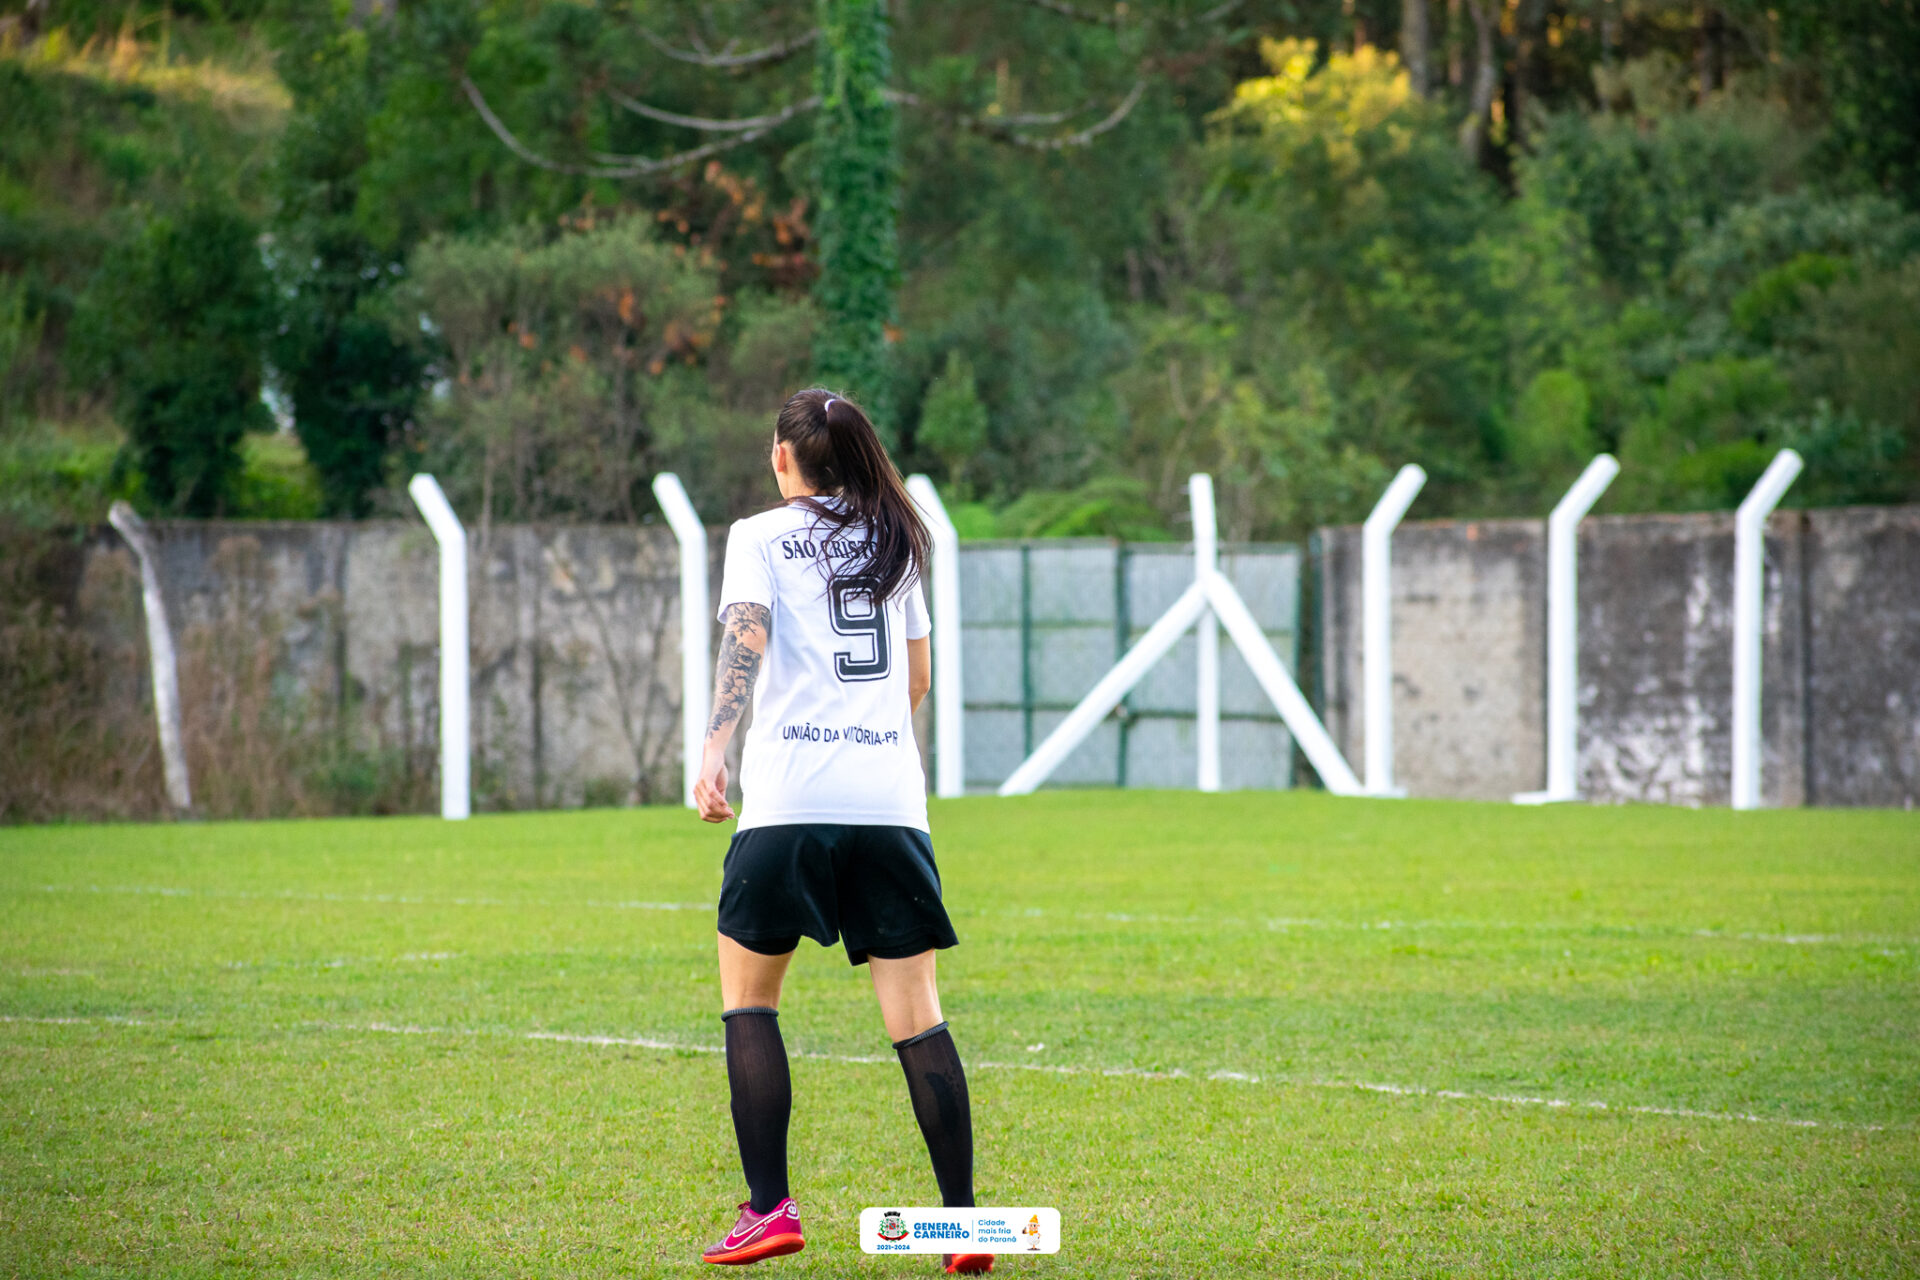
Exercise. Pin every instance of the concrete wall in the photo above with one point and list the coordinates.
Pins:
(1862, 688)
(1469, 664)
(576, 649)
(575, 635)
(1840, 656)
(575, 640)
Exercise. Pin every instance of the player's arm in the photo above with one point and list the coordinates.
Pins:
(742, 647)
(919, 669)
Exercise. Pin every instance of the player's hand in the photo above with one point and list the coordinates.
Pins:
(710, 791)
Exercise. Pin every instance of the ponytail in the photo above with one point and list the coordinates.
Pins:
(839, 453)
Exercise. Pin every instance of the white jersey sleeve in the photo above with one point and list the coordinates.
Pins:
(747, 577)
(832, 734)
(919, 625)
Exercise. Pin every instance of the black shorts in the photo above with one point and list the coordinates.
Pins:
(876, 885)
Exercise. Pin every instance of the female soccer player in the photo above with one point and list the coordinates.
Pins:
(825, 591)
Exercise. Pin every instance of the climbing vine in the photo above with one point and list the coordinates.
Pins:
(856, 176)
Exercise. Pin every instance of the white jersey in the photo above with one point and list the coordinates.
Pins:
(832, 733)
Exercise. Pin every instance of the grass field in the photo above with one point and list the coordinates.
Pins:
(1228, 1036)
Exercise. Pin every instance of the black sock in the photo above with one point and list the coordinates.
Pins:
(938, 1087)
(762, 1102)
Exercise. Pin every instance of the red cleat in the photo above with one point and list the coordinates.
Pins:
(969, 1264)
(759, 1235)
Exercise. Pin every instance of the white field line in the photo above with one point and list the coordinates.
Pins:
(108, 1020)
(1276, 924)
(401, 899)
(342, 962)
(660, 1044)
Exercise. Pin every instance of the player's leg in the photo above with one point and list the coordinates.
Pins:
(757, 1073)
(773, 885)
(762, 1097)
(910, 1004)
(936, 1082)
(908, 992)
(893, 921)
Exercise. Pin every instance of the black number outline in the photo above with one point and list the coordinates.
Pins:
(850, 669)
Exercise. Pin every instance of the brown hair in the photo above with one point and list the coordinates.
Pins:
(839, 453)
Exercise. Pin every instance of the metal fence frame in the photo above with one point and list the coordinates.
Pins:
(1128, 621)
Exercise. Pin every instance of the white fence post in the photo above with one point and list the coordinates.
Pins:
(1749, 585)
(1206, 563)
(1376, 625)
(455, 691)
(949, 709)
(1315, 743)
(166, 670)
(696, 627)
(1563, 631)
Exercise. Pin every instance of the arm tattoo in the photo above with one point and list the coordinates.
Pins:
(741, 648)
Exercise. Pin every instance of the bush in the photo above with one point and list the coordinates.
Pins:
(175, 319)
(51, 476)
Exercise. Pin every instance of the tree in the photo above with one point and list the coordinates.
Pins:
(1868, 55)
(570, 360)
(174, 319)
(853, 167)
(352, 381)
(953, 422)
(1416, 46)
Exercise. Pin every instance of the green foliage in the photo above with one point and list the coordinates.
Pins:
(953, 422)
(973, 520)
(1103, 507)
(20, 331)
(1780, 295)
(277, 480)
(1705, 442)
(1256, 408)
(1278, 267)
(1387, 293)
(1643, 182)
(51, 477)
(1551, 433)
(351, 380)
(1750, 239)
(96, 136)
(1043, 354)
(1850, 459)
(578, 364)
(856, 176)
(1868, 56)
(175, 318)
(1855, 360)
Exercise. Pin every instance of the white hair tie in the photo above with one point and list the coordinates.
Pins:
(827, 406)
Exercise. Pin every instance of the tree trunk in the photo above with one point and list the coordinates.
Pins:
(1710, 50)
(1532, 73)
(1416, 46)
(1456, 62)
(1486, 77)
